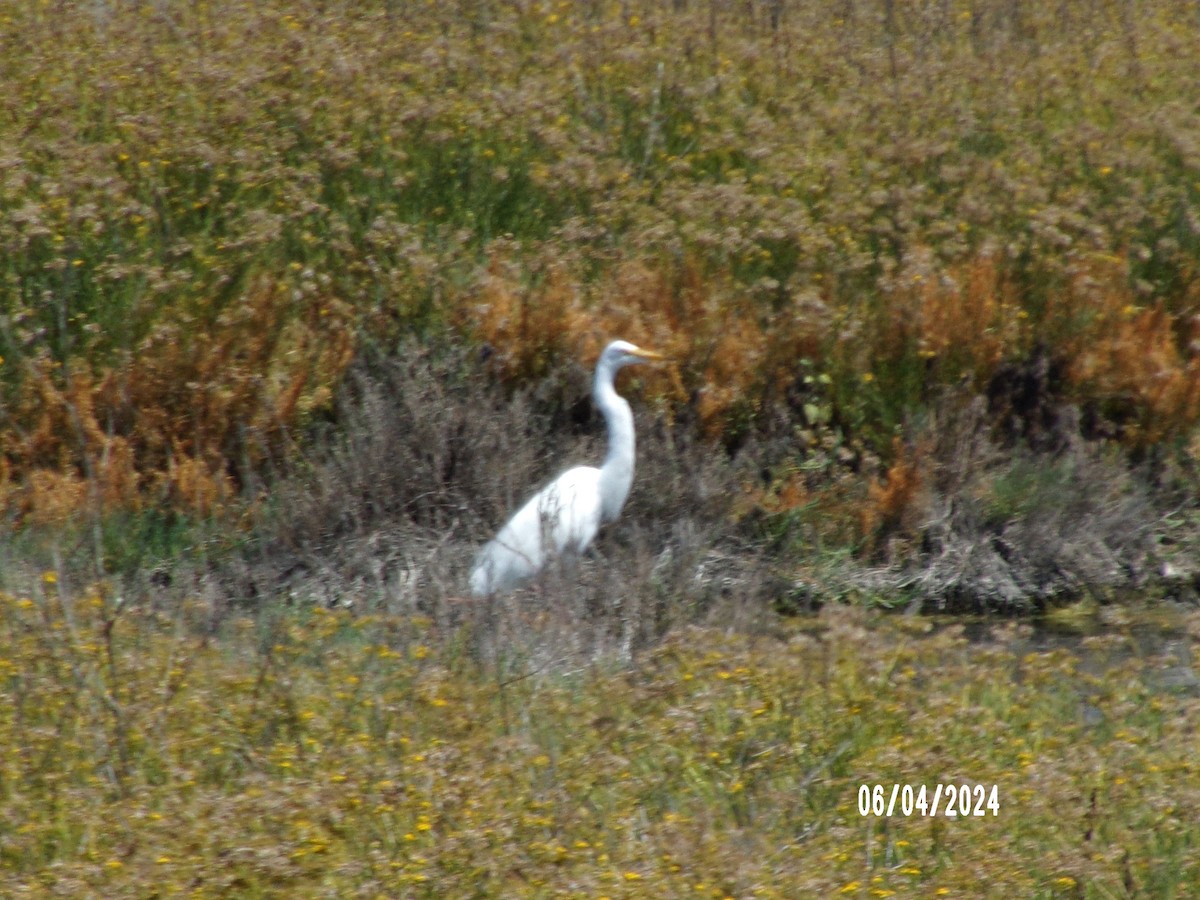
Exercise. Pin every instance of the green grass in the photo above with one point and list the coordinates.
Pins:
(317, 754)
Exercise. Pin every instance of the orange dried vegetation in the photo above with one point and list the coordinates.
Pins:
(175, 420)
(787, 492)
(527, 326)
(1144, 358)
(1137, 359)
(967, 318)
(892, 502)
(724, 351)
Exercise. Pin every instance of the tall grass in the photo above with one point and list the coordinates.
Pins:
(206, 205)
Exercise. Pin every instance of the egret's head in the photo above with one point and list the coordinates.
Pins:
(623, 353)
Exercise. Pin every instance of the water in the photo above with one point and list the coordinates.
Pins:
(1162, 635)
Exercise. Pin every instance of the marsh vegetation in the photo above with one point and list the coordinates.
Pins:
(298, 303)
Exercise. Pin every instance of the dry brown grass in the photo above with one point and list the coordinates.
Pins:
(176, 424)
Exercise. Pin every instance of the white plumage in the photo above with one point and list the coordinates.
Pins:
(564, 516)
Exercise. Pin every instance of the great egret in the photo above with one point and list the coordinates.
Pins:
(565, 515)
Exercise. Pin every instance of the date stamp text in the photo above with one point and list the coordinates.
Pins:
(948, 800)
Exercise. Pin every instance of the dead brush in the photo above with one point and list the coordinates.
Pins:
(183, 423)
(968, 321)
(1148, 382)
(895, 501)
(1137, 363)
(434, 453)
(727, 354)
(1012, 529)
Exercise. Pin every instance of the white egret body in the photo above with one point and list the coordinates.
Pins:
(564, 516)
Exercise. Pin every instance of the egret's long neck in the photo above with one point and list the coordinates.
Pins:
(616, 474)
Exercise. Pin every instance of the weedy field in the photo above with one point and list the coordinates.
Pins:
(839, 223)
(323, 754)
(297, 301)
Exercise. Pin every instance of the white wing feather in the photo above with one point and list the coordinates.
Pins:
(563, 517)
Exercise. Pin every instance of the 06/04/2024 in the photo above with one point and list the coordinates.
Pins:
(949, 800)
